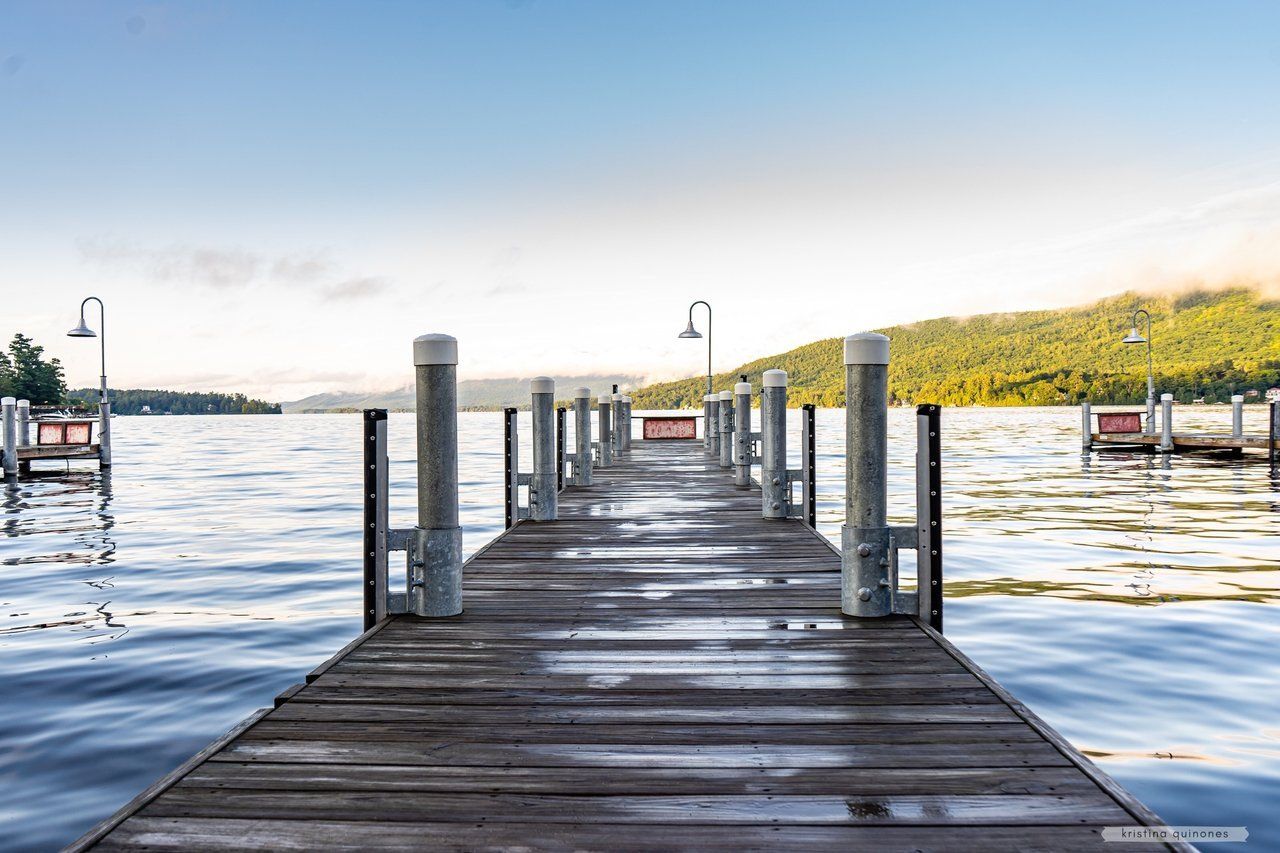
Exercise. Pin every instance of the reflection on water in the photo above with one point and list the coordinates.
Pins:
(1127, 598)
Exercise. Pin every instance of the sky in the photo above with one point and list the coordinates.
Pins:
(276, 197)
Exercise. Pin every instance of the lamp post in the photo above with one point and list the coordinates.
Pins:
(691, 332)
(1135, 337)
(104, 403)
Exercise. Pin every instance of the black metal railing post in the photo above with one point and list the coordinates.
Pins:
(929, 513)
(808, 463)
(560, 413)
(375, 516)
(510, 437)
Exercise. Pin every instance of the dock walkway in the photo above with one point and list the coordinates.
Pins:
(659, 669)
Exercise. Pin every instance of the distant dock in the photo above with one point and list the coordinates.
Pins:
(1120, 430)
(57, 438)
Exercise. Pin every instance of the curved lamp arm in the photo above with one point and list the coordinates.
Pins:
(102, 338)
(708, 307)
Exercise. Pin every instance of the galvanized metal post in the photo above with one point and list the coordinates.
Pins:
(775, 489)
(742, 443)
(435, 563)
(560, 448)
(104, 429)
(1274, 433)
(511, 465)
(1086, 426)
(616, 418)
(1166, 423)
(542, 487)
(865, 589)
(711, 431)
(726, 429)
(809, 463)
(582, 461)
(24, 423)
(375, 516)
(1237, 415)
(929, 513)
(606, 432)
(10, 409)
(1150, 428)
(626, 422)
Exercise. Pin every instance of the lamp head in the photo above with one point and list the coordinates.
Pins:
(82, 331)
(691, 332)
(1134, 337)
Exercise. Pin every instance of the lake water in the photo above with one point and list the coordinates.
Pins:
(1129, 600)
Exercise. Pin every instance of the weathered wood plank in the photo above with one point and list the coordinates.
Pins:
(602, 781)
(184, 834)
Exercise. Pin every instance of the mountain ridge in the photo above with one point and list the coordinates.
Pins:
(1204, 343)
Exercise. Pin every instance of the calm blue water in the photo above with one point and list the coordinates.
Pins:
(1129, 602)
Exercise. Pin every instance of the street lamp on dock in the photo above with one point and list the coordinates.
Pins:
(104, 403)
(1136, 337)
(691, 332)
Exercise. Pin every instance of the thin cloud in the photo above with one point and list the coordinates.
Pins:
(225, 269)
(356, 288)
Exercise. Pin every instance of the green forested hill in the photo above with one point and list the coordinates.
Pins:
(1205, 344)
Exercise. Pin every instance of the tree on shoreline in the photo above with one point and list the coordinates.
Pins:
(26, 375)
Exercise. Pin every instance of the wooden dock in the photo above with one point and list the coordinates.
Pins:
(660, 669)
(1185, 442)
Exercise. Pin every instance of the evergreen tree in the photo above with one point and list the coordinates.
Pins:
(35, 379)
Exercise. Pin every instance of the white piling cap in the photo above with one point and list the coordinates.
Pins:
(581, 393)
(7, 401)
(435, 349)
(866, 348)
(709, 398)
(1168, 397)
(26, 404)
(617, 398)
(542, 385)
(605, 398)
(1235, 398)
(775, 379)
(742, 388)
(726, 395)
(626, 399)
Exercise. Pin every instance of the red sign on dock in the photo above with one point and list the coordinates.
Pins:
(670, 427)
(1113, 422)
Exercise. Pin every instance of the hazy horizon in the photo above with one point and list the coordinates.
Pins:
(276, 198)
